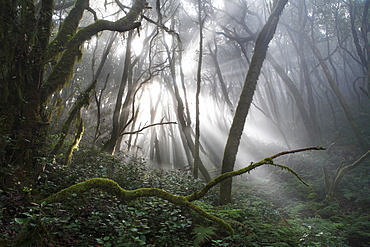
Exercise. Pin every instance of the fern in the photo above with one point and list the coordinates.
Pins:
(203, 234)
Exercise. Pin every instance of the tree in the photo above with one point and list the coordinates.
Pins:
(34, 66)
(362, 52)
(331, 184)
(360, 137)
(199, 79)
(246, 97)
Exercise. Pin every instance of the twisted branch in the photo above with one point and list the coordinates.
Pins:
(114, 189)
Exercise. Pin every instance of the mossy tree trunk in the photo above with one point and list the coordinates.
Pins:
(25, 90)
(246, 97)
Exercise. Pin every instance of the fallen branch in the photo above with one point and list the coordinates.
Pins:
(112, 188)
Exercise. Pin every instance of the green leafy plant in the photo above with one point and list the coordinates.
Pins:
(101, 214)
(203, 234)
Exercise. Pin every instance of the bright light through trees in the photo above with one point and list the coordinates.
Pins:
(165, 53)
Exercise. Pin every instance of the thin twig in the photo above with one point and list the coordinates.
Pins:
(145, 127)
(296, 151)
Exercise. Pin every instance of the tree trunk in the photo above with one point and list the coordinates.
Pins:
(246, 97)
(111, 144)
(308, 124)
(213, 55)
(25, 52)
(360, 138)
(199, 79)
(184, 127)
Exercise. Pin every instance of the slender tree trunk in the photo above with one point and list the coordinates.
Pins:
(213, 55)
(111, 144)
(360, 138)
(246, 97)
(108, 46)
(199, 79)
(274, 109)
(184, 128)
(312, 134)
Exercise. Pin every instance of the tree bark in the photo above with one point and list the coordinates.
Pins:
(199, 79)
(26, 91)
(246, 97)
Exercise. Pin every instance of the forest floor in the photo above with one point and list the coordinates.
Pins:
(270, 207)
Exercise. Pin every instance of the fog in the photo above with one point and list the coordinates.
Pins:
(296, 107)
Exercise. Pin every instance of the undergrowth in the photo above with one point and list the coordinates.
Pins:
(287, 216)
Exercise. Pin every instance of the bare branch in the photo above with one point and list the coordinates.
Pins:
(296, 151)
(145, 127)
(92, 12)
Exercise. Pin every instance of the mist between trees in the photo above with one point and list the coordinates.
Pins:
(199, 86)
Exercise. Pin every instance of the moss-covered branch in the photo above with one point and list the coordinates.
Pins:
(252, 166)
(83, 100)
(63, 70)
(78, 135)
(114, 189)
(67, 30)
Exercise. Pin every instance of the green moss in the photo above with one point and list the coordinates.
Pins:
(69, 42)
(112, 188)
(68, 29)
(76, 142)
(126, 196)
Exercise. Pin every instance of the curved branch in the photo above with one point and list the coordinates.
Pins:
(63, 70)
(67, 30)
(145, 127)
(252, 166)
(114, 189)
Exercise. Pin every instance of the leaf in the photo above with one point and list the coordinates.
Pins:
(27, 214)
(22, 221)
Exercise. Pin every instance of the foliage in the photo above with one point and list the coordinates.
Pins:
(97, 218)
(101, 219)
(203, 234)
